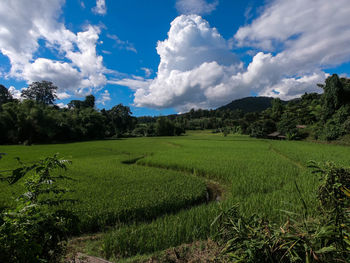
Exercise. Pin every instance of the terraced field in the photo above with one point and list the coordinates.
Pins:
(152, 193)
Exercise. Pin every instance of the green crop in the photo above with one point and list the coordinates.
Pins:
(153, 190)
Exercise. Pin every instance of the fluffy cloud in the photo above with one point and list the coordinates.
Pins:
(21, 28)
(195, 61)
(198, 7)
(100, 7)
(198, 69)
(311, 33)
(14, 92)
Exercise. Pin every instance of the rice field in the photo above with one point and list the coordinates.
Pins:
(152, 193)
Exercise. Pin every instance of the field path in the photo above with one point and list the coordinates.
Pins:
(216, 191)
(286, 157)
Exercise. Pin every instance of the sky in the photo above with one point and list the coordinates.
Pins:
(167, 56)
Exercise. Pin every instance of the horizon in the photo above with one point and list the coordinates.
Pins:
(170, 56)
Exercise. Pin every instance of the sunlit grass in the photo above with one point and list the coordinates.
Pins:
(168, 178)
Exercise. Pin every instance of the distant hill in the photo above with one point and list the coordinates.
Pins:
(249, 104)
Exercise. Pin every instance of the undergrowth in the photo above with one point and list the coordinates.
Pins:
(321, 238)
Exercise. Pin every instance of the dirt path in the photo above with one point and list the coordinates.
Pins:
(82, 258)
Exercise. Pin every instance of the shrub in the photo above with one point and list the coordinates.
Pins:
(36, 230)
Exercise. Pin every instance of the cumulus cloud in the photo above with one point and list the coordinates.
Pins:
(303, 30)
(15, 92)
(100, 8)
(198, 7)
(21, 28)
(292, 44)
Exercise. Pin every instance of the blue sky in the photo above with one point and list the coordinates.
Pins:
(161, 57)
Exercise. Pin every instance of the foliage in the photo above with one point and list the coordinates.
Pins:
(36, 229)
(261, 128)
(43, 92)
(33, 121)
(321, 116)
(323, 238)
(89, 102)
(333, 97)
(250, 104)
(5, 95)
(165, 127)
(119, 120)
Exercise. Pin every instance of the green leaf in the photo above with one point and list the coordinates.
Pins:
(326, 250)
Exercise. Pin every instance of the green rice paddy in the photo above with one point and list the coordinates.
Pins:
(151, 193)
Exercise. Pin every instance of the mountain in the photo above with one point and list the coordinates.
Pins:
(249, 104)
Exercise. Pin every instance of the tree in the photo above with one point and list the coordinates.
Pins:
(89, 102)
(120, 118)
(5, 95)
(333, 95)
(43, 92)
(75, 104)
(277, 109)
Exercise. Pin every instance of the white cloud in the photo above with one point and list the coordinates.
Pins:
(311, 33)
(63, 95)
(133, 83)
(194, 71)
(121, 44)
(104, 97)
(198, 7)
(197, 68)
(100, 7)
(148, 72)
(62, 105)
(15, 92)
(21, 28)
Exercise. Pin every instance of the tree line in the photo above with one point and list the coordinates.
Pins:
(318, 116)
(35, 119)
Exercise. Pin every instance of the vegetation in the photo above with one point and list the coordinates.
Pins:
(153, 190)
(36, 228)
(322, 238)
(314, 116)
(250, 104)
(36, 120)
(149, 194)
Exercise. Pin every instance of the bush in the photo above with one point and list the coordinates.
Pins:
(36, 230)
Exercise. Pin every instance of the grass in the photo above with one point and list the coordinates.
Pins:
(152, 188)
(109, 191)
